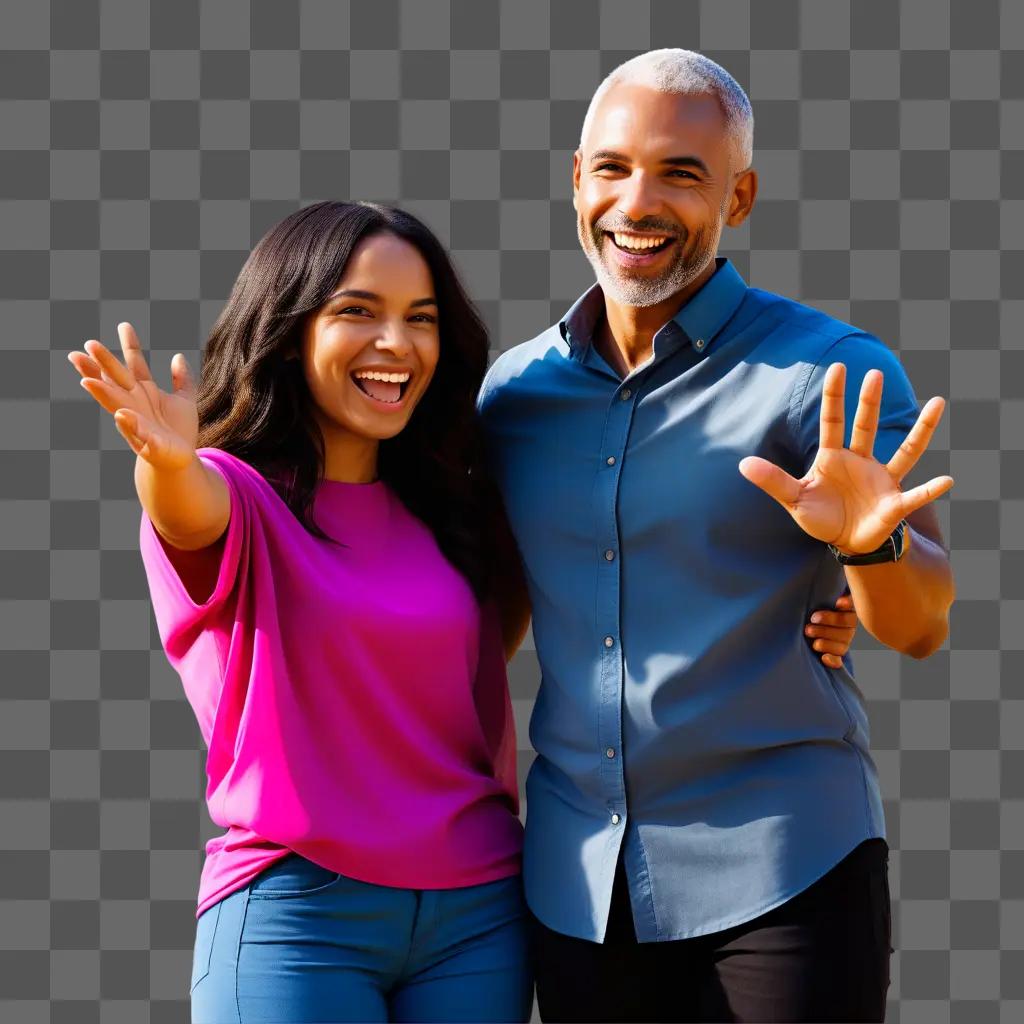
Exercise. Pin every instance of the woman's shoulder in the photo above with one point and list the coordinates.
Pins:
(263, 487)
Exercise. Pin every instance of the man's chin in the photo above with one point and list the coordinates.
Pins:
(634, 291)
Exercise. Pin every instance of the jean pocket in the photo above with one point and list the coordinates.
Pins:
(206, 931)
(291, 876)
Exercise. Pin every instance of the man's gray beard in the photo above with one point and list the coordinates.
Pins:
(641, 291)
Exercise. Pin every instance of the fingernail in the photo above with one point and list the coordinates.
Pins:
(808, 630)
(816, 617)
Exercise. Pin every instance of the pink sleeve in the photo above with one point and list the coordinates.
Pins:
(179, 618)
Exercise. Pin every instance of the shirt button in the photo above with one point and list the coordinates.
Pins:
(610, 460)
(609, 641)
(626, 394)
(610, 752)
(699, 343)
(609, 555)
(615, 819)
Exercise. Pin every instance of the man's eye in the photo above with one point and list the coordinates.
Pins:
(687, 173)
(601, 167)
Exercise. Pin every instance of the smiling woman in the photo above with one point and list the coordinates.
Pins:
(327, 560)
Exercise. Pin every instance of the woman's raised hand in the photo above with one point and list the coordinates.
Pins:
(160, 427)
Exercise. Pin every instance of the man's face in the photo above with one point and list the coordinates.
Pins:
(623, 182)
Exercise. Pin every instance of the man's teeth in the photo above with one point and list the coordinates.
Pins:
(637, 242)
(392, 378)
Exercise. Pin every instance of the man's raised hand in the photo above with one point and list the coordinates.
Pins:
(160, 427)
(848, 498)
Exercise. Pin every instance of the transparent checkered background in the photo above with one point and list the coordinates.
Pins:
(144, 148)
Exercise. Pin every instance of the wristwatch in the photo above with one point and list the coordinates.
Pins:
(891, 550)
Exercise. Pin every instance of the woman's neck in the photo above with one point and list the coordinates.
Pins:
(349, 458)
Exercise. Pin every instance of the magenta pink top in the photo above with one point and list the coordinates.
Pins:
(353, 700)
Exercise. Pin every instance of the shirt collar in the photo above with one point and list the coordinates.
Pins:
(700, 318)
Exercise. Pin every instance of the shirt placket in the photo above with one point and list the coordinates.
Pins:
(609, 594)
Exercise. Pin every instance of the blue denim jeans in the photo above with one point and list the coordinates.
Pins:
(302, 943)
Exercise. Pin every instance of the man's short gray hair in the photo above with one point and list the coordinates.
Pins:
(688, 73)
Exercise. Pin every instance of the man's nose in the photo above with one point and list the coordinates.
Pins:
(638, 198)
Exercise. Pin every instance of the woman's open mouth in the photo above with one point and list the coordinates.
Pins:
(637, 250)
(385, 390)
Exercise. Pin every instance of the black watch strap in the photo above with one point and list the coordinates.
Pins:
(890, 551)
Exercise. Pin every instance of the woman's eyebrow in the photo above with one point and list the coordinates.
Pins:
(357, 293)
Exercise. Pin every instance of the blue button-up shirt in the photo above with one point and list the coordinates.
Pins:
(682, 715)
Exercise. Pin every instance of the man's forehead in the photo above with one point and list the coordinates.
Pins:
(667, 117)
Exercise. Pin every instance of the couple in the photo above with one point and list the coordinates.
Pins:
(347, 526)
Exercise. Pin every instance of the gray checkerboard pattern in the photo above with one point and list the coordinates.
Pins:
(143, 150)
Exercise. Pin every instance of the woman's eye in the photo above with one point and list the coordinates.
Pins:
(350, 309)
(426, 316)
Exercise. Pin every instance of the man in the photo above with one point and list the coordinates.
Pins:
(705, 837)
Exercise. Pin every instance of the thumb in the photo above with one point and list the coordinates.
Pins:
(135, 429)
(774, 481)
(144, 437)
(181, 377)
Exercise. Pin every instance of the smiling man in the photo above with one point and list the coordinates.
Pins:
(688, 473)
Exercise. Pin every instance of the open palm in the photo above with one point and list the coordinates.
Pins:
(162, 427)
(848, 498)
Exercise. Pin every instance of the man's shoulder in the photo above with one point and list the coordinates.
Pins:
(808, 335)
(806, 324)
(511, 365)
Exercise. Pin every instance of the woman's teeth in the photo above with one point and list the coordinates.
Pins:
(394, 378)
(385, 387)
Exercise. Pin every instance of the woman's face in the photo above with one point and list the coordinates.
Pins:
(370, 351)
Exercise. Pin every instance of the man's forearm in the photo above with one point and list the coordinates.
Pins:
(905, 604)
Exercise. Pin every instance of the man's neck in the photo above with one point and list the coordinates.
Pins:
(624, 335)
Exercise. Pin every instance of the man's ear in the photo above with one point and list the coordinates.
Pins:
(742, 199)
(577, 159)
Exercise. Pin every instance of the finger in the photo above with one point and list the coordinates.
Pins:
(829, 647)
(830, 618)
(110, 396)
(914, 444)
(865, 420)
(842, 634)
(832, 422)
(924, 493)
(132, 350)
(845, 602)
(111, 366)
(85, 365)
(181, 377)
(771, 479)
(832, 660)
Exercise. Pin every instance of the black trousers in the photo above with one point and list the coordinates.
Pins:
(821, 956)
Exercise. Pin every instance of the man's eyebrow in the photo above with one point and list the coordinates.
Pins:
(674, 161)
(356, 293)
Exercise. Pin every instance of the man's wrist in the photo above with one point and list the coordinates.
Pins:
(893, 549)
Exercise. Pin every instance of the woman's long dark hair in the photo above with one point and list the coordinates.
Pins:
(256, 405)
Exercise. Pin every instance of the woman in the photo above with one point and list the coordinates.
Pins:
(334, 581)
